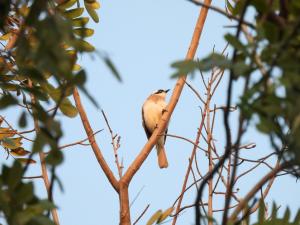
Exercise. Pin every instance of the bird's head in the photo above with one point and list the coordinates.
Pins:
(161, 92)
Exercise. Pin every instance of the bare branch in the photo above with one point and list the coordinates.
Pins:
(115, 141)
(88, 129)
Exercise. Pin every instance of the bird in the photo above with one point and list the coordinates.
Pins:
(152, 110)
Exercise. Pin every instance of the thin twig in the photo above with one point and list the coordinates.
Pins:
(115, 139)
(222, 12)
(144, 211)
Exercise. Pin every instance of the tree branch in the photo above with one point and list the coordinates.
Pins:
(255, 189)
(88, 129)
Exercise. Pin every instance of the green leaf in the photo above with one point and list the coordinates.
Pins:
(30, 213)
(112, 68)
(67, 108)
(89, 96)
(73, 13)
(184, 67)
(24, 193)
(55, 157)
(66, 4)
(261, 211)
(297, 218)
(287, 215)
(65, 105)
(79, 78)
(236, 43)
(165, 214)
(6, 101)
(274, 211)
(22, 120)
(83, 32)
(189, 66)
(84, 46)
(80, 22)
(155, 217)
(229, 7)
(14, 175)
(41, 220)
(261, 6)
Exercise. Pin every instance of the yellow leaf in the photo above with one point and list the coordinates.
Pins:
(154, 218)
(95, 5)
(84, 46)
(91, 11)
(6, 132)
(5, 37)
(76, 67)
(83, 32)
(66, 4)
(11, 143)
(73, 13)
(80, 22)
(165, 214)
(24, 10)
(19, 152)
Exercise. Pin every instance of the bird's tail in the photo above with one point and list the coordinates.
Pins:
(161, 155)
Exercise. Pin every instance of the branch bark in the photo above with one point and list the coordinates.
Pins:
(89, 131)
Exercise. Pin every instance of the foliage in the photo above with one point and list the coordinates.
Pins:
(38, 71)
(18, 202)
(265, 57)
(274, 219)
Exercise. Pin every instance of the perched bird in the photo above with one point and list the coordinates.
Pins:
(152, 111)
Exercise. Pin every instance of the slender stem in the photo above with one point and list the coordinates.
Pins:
(210, 161)
(42, 161)
(144, 211)
(255, 189)
(115, 144)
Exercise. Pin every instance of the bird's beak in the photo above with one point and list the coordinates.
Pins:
(167, 90)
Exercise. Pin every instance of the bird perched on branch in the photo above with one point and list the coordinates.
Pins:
(152, 111)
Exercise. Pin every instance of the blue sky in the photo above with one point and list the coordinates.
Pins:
(143, 38)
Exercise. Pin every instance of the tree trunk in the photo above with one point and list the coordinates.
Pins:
(124, 204)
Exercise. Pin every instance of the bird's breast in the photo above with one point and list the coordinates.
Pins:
(152, 113)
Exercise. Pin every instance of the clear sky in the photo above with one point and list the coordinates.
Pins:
(143, 38)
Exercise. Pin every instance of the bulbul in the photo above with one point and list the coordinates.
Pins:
(152, 111)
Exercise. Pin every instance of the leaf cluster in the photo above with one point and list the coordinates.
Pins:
(41, 41)
(18, 203)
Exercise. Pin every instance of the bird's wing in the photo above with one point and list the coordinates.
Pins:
(148, 133)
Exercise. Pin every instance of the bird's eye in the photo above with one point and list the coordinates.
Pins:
(159, 91)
